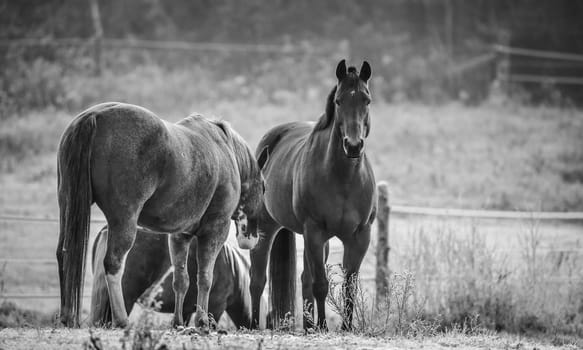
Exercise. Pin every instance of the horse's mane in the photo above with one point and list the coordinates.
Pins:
(243, 155)
(328, 116)
(351, 81)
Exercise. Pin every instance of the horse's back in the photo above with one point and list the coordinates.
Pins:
(285, 143)
(140, 161)
(284, 136)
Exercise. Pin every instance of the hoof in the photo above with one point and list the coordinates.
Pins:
(193, 331)
(186, 331)
(346, 328)
(176, 324)
(120, 324)
(204, 330)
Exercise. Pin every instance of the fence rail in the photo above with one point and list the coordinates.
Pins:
(140, 44)
(395, 209)
(382, 245)
(506, 74)
(35, 296)
(565, 56)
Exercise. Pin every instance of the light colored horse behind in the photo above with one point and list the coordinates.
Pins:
(148, 277)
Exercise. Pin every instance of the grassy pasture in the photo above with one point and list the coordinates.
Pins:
(499, 156)
(74, 339)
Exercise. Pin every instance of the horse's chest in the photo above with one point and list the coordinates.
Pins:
(337, 210)
(345, 214)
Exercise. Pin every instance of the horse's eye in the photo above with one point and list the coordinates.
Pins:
(337, 101)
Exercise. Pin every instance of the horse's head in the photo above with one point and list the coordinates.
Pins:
(351, 105)
(250, 203)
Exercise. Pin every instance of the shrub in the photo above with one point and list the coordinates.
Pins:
(31, 85)
(461, 277)
(11, 315)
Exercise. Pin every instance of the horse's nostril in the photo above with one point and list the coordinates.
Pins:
(345, 142)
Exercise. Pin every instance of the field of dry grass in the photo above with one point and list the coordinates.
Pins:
(23, 338)
(503, 156)
(508, 158)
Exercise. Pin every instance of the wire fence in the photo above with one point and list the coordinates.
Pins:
(523, 65)
(394, 210)
(140, 44)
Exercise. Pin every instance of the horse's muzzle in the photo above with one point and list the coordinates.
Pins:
(246, 231)
(352, 150)
(247, 242)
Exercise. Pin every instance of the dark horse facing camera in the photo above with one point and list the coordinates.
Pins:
(351, 101)
(318, 183)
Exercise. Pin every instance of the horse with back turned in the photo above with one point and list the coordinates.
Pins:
(185, 179)
(319, 183)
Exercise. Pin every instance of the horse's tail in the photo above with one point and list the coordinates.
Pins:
(75, 199)
(282, 276)
(100, 313)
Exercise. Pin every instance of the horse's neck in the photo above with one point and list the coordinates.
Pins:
(242, 158)
(326, 149)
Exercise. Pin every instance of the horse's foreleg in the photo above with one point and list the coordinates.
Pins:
(307, 293)
(211, 238)
(179, 245)
(354, 250)
(119, 241)
(314, 242)
(258, 270)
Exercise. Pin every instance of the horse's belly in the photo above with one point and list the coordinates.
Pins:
(171, 218)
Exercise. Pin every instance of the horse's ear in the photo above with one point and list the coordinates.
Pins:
(365, 71)
(341, 70)
(263, 157)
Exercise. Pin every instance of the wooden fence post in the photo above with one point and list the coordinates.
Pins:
(98, 38)
(503, 65)
(382, 249)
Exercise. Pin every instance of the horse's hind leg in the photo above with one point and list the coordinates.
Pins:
(258, 269)
(179, 245)
(211, 238)
(120, 239)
